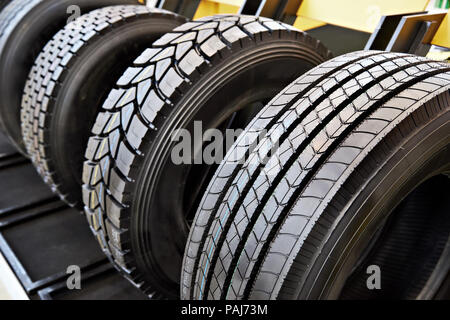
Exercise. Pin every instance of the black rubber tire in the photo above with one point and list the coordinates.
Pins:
(204, 70)
(72, 77)
(351, 139)
(25, 27)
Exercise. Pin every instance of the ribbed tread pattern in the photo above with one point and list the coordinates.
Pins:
(49, 71)
(11, 15)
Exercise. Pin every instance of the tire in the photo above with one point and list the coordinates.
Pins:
(3, 4)
(196, 73)
(77, 68)
(310, 184)
(25, 27)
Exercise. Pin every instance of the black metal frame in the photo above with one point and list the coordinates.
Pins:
(16, 215)
(90, 273)
(186, 8)
(410, 33)
(12, 216)
(266, 8)
(31, 287)
(252, 7)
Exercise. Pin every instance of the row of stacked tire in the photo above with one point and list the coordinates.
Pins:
(342, 163)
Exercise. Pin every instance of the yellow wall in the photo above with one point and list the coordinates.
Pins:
(362, 15)
(442, 37)
(212, 7)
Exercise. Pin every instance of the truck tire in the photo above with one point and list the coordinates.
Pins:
(136, 198)
(72, 77)
(347, 142)
(25, 27)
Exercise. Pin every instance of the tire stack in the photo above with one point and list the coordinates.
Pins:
(340, 169)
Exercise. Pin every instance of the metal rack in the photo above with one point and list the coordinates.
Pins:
(40, 236)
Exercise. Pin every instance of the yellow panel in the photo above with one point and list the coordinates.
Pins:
(304, 23)
(236, 3)
(439, 55)
(212, 7)
(362, 15)
(442, 36)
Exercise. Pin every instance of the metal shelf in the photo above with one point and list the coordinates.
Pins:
(40, 237)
